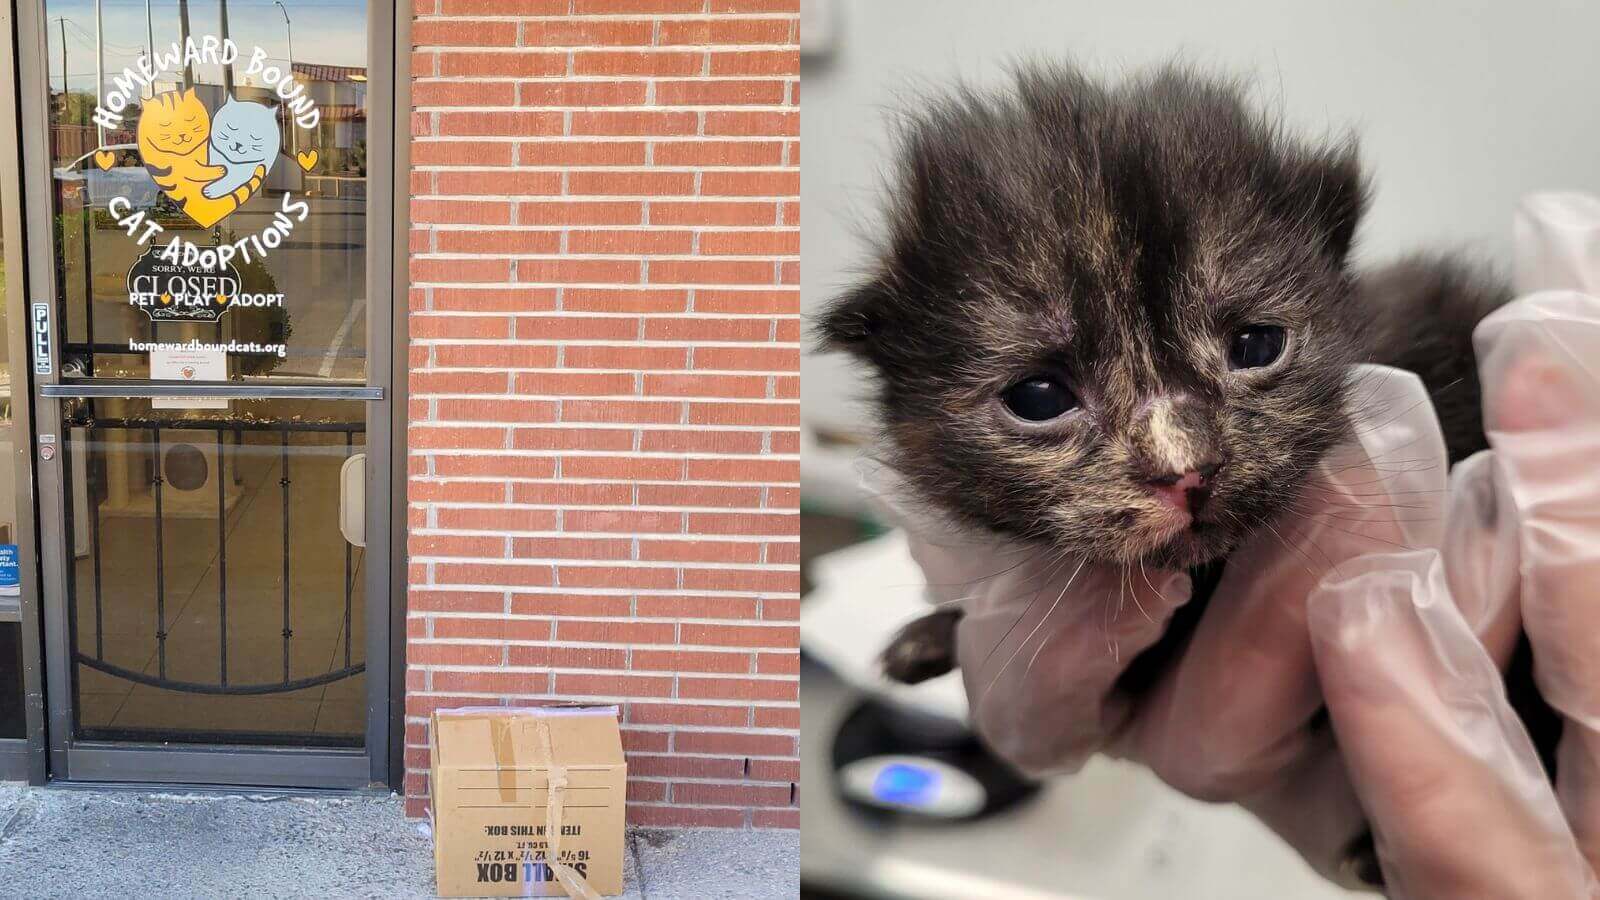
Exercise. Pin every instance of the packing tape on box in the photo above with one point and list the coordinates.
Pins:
(574, 883)
(504, 742)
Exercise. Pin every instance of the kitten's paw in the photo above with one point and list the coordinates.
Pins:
(923, 649)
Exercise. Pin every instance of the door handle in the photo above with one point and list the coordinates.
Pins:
(353, 499)
(215, 391)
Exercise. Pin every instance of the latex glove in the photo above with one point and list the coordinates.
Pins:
(1418, 704)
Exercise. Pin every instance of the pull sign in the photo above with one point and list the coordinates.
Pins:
(41, 339)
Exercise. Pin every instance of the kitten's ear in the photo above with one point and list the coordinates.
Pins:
(1332, 192)
(854, 321)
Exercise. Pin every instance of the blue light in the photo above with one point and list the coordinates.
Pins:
(905, 784)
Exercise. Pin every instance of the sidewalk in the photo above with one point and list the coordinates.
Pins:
(70, 842)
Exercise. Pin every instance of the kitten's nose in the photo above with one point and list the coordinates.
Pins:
(1186, 491)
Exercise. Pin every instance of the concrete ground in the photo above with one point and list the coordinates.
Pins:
(73, 842)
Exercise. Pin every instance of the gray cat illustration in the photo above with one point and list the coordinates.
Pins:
(244, 135)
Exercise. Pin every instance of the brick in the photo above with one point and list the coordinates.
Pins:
(586, 33)
(712, 271)
(652, 766)
(609, 212)
(613, 685)
(700, 495)
(689, 385)
(501, 682)
(581, 153)
(498, 519)
(580, 93)
(436, 33)
(775, 818)
(669, 212)
(647, 183)
(572, 384)
(622, 468)
(776, 581)
(636, 243)
(499, 184)
(765, 183)
(628, 357)
(758, 243)
(731, 794)
(424, 601)
(757, 123)
(521, 64)
(504, 7)
(566, 657)
(690, 661)
(775, 770)
(700, 441)
(500, 123)
(678, 62)
(459, 153)
(492, 299)
(655, 816)
(630, 521)
(629, 577)
(566, 437)
(759, 359)
(650, 122)
(744, 413)
(724, 31)
(483, 573)
(571, 548)
(718, 153)
(610, 7)
(651, 300)
(720, 93)
(692, 607)
(459, 93)
(741, 635)
(491, 629)
(733, 742)
(755, 62)
(687, 714)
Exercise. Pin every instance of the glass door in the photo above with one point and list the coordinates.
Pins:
(210, 367)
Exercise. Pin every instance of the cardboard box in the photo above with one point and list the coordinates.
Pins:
(515, 789)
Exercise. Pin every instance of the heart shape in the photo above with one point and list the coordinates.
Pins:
(105, 159)
(307, 159)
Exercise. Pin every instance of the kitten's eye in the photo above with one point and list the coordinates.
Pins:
(1039, 399)
(1254, 346)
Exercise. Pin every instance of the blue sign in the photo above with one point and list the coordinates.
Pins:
(10, 572)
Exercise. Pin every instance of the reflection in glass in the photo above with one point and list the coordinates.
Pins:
(215, 599)
(104, 174)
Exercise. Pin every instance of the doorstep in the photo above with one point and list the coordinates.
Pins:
(77, 842)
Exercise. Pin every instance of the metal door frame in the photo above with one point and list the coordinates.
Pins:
(240, 765)
(20, 759)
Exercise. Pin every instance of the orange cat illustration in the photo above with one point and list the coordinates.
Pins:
(174, 129)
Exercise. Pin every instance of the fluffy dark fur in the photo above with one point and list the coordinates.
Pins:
(1113, 237)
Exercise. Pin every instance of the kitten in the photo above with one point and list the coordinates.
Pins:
(244, 137)
(1097, 303)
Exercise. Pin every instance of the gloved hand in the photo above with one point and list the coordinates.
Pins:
(1417, 703)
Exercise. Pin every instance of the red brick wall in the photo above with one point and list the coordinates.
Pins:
(604, 377)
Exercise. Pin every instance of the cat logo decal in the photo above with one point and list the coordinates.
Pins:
(209, 165)
(207, 161)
